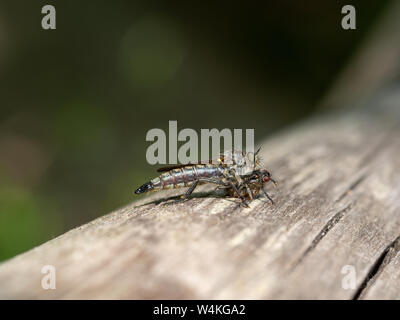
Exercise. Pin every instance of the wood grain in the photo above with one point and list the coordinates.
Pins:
(337, 204)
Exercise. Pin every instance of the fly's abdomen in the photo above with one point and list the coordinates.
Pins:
(184, 177)
(144, 188)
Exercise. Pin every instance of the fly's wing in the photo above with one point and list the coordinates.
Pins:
(230, 157)
(171, 167)
(244, 163)
(234, 157)
(178, 166)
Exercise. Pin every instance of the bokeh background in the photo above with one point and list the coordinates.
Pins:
(76, 102)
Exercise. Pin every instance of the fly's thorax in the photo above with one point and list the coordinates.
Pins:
(243, 163)
(245, 170)
(234, 158)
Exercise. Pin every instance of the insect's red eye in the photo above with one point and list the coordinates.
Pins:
(266, 179)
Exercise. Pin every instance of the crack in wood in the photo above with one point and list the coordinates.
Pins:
(352, 187)
(328, 226)
(383, 260)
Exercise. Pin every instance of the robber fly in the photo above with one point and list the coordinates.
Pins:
(238, 172)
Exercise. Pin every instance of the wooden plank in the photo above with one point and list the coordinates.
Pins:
(337, 205)
(385, 282)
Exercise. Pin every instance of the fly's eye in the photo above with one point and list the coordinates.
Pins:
(266, 179)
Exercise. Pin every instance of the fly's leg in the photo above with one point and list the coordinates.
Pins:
(189, 191)
(267, 195)
(238, 193)
(194, 185)
(242, 183)
(228, 175)
(238, 179)
(250, 192)
(191, 188)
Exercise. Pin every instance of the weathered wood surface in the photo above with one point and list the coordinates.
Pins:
(337, 204)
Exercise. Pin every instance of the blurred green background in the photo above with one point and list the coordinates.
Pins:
(76, 102)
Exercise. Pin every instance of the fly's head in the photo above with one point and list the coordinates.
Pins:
(262, 176)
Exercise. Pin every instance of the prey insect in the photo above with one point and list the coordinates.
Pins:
(238, 172)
